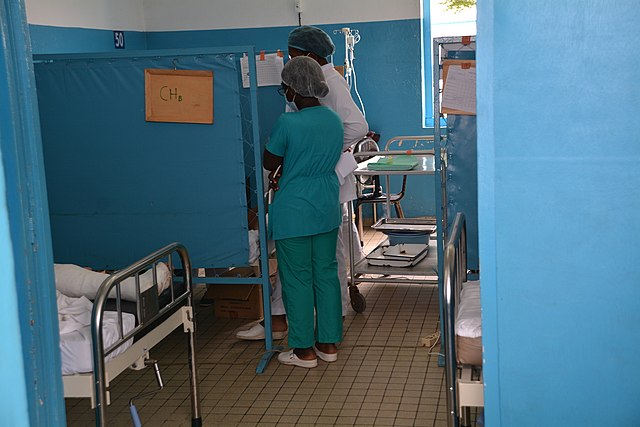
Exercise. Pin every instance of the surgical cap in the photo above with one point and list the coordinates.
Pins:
(311, 39)
(305, 76)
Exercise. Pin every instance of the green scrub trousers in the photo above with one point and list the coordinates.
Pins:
(309, 275)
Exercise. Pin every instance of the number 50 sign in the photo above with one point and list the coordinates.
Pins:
(118, 39)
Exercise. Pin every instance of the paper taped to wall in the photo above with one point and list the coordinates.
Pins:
(268, 66)
(460, 89)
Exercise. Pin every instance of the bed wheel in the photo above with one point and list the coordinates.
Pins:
(358, 302)
(196, 422)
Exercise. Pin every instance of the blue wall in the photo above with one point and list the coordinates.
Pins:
(559, 196)
(46, 39)
(387, 65)
(13, 399)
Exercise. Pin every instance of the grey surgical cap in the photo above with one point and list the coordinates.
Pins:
(304, 75)
(311, 39)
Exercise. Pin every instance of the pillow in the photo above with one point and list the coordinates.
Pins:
(75, 281)
(469, 315)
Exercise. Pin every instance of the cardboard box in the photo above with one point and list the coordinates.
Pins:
(273, 269)
(235, 301)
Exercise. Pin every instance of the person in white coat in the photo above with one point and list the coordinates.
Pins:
(313, 42)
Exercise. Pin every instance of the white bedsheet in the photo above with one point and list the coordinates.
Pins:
(74, 316)
(469, 315)
(75, 281)
(254, 246)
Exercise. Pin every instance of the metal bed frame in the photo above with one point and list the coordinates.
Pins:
(465, 386)
(177, 312)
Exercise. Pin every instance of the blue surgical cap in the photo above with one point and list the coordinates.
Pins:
(304, 75)
(311, 39)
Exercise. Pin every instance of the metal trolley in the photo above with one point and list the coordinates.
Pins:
(425, 271)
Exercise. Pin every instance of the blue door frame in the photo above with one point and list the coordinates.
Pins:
(32, 393)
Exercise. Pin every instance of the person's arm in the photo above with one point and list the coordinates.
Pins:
(273, 155)
(339, 100)
(270, 161)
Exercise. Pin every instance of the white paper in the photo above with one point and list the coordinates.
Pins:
(460, 89)
(346, 164)
(269, 70)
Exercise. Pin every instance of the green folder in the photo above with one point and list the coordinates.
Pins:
(401, 162)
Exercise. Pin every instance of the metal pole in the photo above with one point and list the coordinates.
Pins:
(99, 379)
(454, 272)
(196, 418)
(449, 334)
(351, 258)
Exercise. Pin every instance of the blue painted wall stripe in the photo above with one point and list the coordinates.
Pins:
(47, 39)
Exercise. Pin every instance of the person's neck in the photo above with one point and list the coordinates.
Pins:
(306, 102)
(319, 59)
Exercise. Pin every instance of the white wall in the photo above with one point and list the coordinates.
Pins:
(167, 15)
(98, 14)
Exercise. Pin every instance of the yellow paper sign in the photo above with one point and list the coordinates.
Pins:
(179, 96)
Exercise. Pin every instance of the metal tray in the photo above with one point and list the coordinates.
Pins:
(422, 225)
(402, 255)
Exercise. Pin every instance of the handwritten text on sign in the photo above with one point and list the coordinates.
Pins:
(179, 96)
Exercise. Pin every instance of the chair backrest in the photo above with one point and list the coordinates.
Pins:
(365, 144)
(366, 184)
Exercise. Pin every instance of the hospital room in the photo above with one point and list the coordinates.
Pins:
(315, 212)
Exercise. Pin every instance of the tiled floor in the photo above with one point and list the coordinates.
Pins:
(383, 375)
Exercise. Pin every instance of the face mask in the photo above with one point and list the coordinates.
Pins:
(291, 104)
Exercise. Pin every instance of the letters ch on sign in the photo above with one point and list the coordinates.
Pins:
(170, 94)
(179, 96)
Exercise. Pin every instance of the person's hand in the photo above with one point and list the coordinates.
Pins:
(274, 177)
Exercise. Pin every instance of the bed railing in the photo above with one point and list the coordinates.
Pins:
(455, 272)
(143, 324)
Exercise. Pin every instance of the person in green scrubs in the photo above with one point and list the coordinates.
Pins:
(305, 214)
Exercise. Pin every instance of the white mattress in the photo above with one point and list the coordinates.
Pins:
(469, 315)
(76, 348)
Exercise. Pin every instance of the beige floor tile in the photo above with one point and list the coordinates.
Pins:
(289, 419)
(365, 421)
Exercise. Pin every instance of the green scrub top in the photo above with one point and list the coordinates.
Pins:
(310, 142)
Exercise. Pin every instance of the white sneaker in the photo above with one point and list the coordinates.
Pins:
(256, 332)
(290, 358)
(327, 357)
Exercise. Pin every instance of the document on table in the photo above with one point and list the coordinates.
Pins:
(460, 89)
(268, 66)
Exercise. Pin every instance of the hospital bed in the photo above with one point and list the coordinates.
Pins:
(121, 340)
(462, 330)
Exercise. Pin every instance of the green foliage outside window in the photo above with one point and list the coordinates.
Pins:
(458, 5)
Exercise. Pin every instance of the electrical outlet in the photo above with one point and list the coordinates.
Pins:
(430, 340)
(298, 5)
